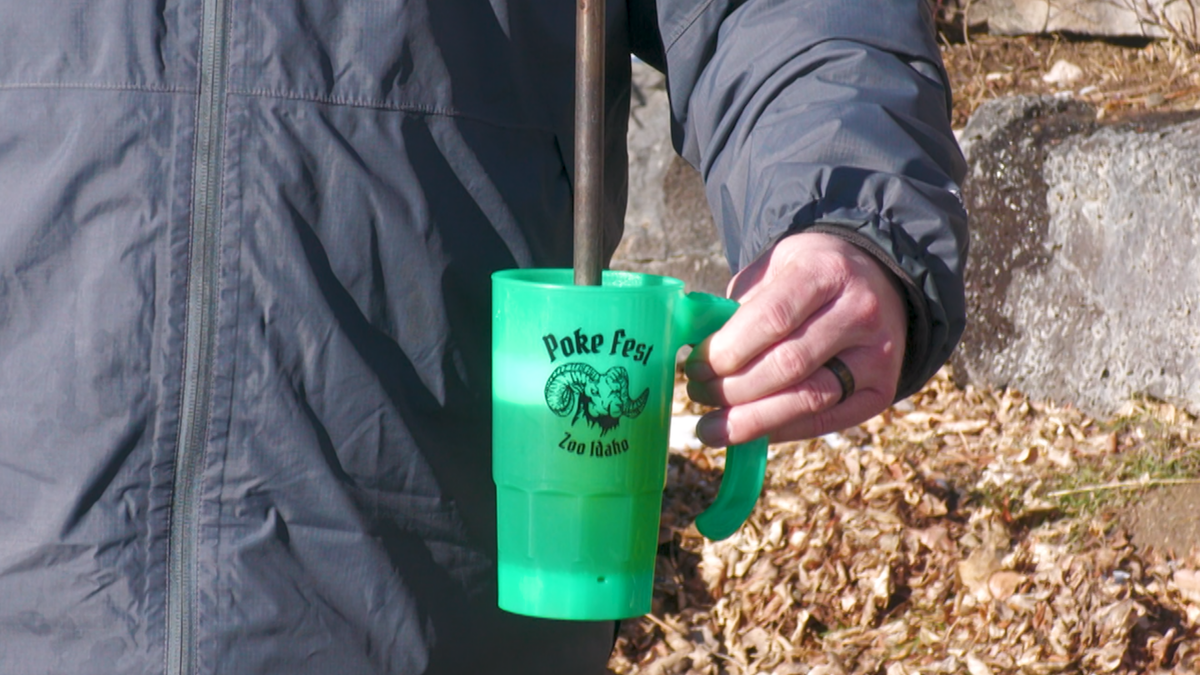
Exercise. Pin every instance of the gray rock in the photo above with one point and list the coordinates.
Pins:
(1082, 285)
(1115, 18)
(669, 228)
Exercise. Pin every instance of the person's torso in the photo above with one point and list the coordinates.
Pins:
(244, 260)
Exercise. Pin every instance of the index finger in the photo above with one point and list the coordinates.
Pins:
(769, 315)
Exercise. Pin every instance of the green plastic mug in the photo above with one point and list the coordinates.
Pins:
(583, 378)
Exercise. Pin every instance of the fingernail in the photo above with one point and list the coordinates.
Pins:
(696, 392)
(698, 370)
(713, 430)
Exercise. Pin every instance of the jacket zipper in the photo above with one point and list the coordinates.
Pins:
(203, 272)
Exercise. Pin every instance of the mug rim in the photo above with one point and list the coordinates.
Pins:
(563, 279)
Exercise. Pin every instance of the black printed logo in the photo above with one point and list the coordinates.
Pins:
(579, 390)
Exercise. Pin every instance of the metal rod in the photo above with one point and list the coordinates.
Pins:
(589, 140)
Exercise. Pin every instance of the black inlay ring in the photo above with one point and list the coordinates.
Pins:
(843, 375)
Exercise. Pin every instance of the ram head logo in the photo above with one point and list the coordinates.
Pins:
(602, 399)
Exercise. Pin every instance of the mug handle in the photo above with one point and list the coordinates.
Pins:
(700, 315)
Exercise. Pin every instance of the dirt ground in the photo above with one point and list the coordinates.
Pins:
(965, 530)
(1167, 519)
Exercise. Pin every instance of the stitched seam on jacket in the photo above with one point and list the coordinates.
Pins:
(384, 105)
(687, 25)
(6, 86)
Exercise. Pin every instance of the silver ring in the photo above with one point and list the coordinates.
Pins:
(843, 375)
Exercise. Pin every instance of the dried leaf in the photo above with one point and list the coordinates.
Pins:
(855, 560)
(977, 667)
(963, 427)
(976, 571)
(1188, 582)
(1003, 584)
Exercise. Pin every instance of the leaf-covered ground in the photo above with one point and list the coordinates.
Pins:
(963, 531)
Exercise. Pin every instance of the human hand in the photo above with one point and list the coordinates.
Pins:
(810, 298)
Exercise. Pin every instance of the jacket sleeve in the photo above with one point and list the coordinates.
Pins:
(823, 115)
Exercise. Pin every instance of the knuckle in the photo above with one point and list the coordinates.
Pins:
(791, 361)
(823, 422)
(837, 270)
(890, 349)
(777, 319)
(870, 311)
(866, 312)
(807, 399)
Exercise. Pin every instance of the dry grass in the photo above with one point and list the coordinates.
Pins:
(926, 541)
(1178, 19)
(1119, 80)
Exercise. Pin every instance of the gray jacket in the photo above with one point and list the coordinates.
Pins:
(244, 301)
